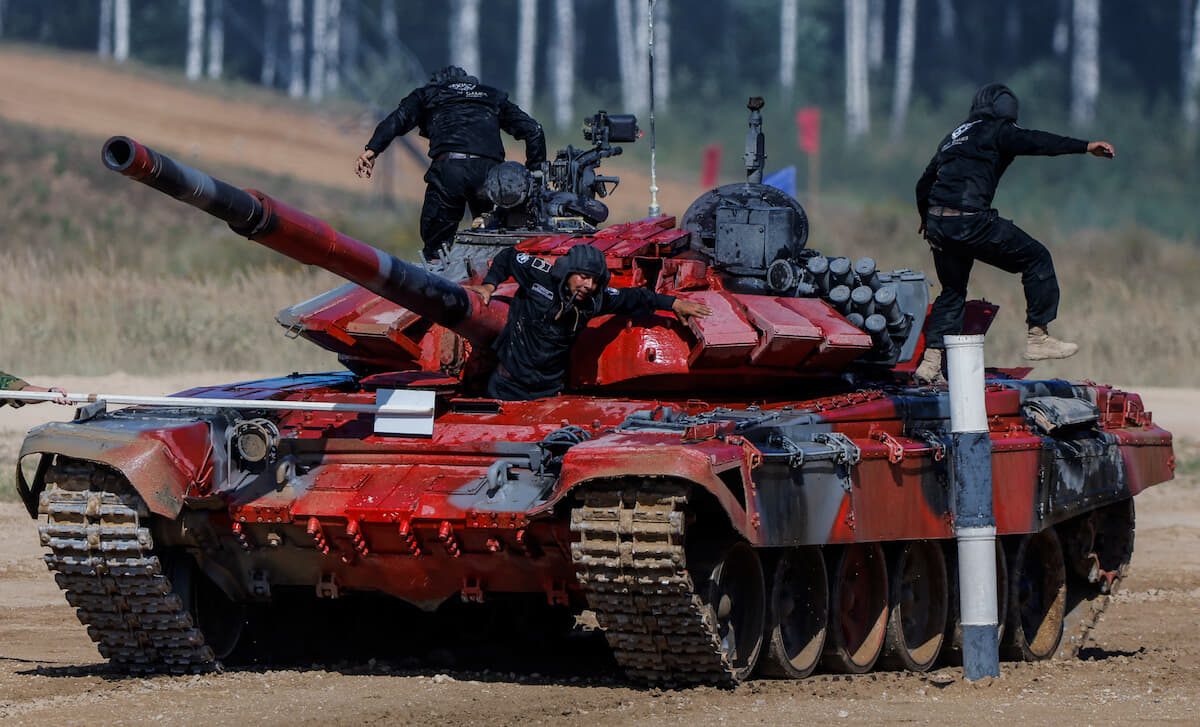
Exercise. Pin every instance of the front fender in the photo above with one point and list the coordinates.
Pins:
(162, 459)
(720, 466)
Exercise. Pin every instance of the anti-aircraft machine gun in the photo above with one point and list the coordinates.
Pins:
(563, 195)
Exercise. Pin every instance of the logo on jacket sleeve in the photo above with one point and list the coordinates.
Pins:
(542, 291)
(541, 264)
(522, 257)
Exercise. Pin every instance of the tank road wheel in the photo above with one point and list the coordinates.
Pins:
(1038, 596)
(858, 608)
(798, 613)
(919, 601)
(737, 600)
(221, 620)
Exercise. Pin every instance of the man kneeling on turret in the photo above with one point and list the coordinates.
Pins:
(552, 305)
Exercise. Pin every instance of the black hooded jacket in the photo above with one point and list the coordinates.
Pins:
(964, 172)
(535, 346)
(460, 114)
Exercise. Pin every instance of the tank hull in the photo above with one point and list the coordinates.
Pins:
(759, 491)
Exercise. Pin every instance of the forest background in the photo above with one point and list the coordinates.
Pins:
(104, 277)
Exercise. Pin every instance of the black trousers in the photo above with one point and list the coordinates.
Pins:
(451, 186)
(957, 242)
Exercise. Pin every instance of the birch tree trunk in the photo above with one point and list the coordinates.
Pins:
(858, 121)
(526, 46)
(947, 19)
(1085, 62)
(641, 56)
(270, 58)
(1191, 112)
(105, 41)
(216, 39)
(333, 46)
(316, 52)
(295, 48)
(787, 49)
(1060, 40)
(464, 35)
(195, 47)
(1012, 29)
(563, 62)
(389, 23)
(121, 30)
(906, 46)
(626, 55)
(351, 38)
(662, 53)
(875, 34)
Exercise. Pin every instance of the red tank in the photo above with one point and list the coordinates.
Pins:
(761, 490)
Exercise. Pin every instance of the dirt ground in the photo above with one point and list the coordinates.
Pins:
(1142, 666)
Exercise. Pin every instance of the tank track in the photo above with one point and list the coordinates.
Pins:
(103, 559)
(1080, 621)
(631, 562)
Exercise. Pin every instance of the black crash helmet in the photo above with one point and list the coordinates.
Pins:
(995, 101)
(582, 258)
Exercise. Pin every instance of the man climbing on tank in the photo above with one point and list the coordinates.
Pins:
(553, 303)
(954, 199)
(462, 120)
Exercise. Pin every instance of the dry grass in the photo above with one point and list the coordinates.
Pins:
(1129, 297)
(59, 319)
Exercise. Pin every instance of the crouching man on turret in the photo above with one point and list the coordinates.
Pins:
(552, 305)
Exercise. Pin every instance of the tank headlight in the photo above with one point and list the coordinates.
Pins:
(255, 439)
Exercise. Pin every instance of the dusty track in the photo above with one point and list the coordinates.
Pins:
(1143, 665)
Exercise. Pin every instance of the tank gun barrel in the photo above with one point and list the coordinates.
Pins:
(258, 217)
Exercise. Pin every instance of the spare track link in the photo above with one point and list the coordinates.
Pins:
(630, 560)
(102, 557)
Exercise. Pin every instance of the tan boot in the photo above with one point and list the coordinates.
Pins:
(930, 369)
(1041, 345)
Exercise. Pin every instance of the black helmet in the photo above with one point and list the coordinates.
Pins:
(451, 74)
(583, 258)
(508, 185)
(995, 101)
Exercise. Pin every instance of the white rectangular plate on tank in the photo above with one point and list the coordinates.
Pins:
(404, 412)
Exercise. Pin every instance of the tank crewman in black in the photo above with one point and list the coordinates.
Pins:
(462, 120)
(552, 304)
(954, 198)
(8, 382)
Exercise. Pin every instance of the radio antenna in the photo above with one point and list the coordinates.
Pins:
(654, 209)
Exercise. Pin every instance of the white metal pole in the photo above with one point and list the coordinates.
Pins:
(194, 401)
(974, 521)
